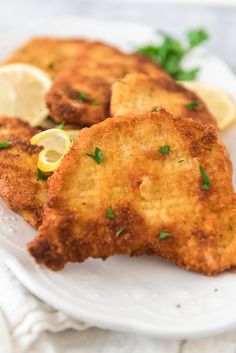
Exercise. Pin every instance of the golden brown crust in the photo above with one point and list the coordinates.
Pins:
(54, 55)
(99, 66)
(140, 94)
(19, 186)
(150, 193)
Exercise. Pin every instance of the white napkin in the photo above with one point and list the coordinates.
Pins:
(26, 316)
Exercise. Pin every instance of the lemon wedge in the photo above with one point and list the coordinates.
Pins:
(22, 92)
(56, 143)
(219, 103)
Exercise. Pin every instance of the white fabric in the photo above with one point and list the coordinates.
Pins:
(28, 325)
(26, 316)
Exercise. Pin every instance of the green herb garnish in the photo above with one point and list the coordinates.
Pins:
(192, 105)
(41, 176)
(81, 96)
(206, 181)
(165, 149)
(110, 212)
(97, 156)
(154, 109)
(171, 52)
(230, 227)
(196, 37)
(182, 160)
(61, 125)
(187, 75)
(84, 98)
(5, 144)
(164, 235)
(120, 231)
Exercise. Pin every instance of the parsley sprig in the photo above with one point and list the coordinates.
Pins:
(5, 144)
(206, 181)
(97, 156)
(84, 98)
(171, 52)
(61, 125)
(192, 105)
(110, 212)
(165, 149)
(154, 109)
(41, 175)
(164, 235)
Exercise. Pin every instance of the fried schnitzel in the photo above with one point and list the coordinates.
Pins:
(19, 186)
(82, 94)
(53, 55)
(138, 93)
(142, 184)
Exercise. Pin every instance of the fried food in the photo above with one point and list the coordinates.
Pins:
(19, 186)
(140, 94)
(53, 55)
(82, 94)
(142, 184)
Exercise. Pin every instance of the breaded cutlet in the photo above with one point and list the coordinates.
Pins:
(82, 94)
(54, 55)
(140, 94)
(142, 184)
(19, 185)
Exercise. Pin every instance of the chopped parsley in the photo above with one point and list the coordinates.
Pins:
(120, 231)
(209, 149)
(230, 227)
(97, 156)
(110, 212)
(41, 176)
(192, 105)
(154, 109)
(61, 125)
(5, 144)
(171, 52)
(181, 161)
(50, 66)
(81, 96)
(206, 181)
(84, 98)
(187, 75)
(165, 149)
(164, 235)
(196, 37)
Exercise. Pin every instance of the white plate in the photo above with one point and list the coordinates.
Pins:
(142, 295)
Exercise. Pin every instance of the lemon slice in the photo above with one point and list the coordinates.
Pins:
(22, 92)
(219, 103)
(56, 143)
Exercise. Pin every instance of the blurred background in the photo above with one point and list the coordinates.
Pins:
(176, 16)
